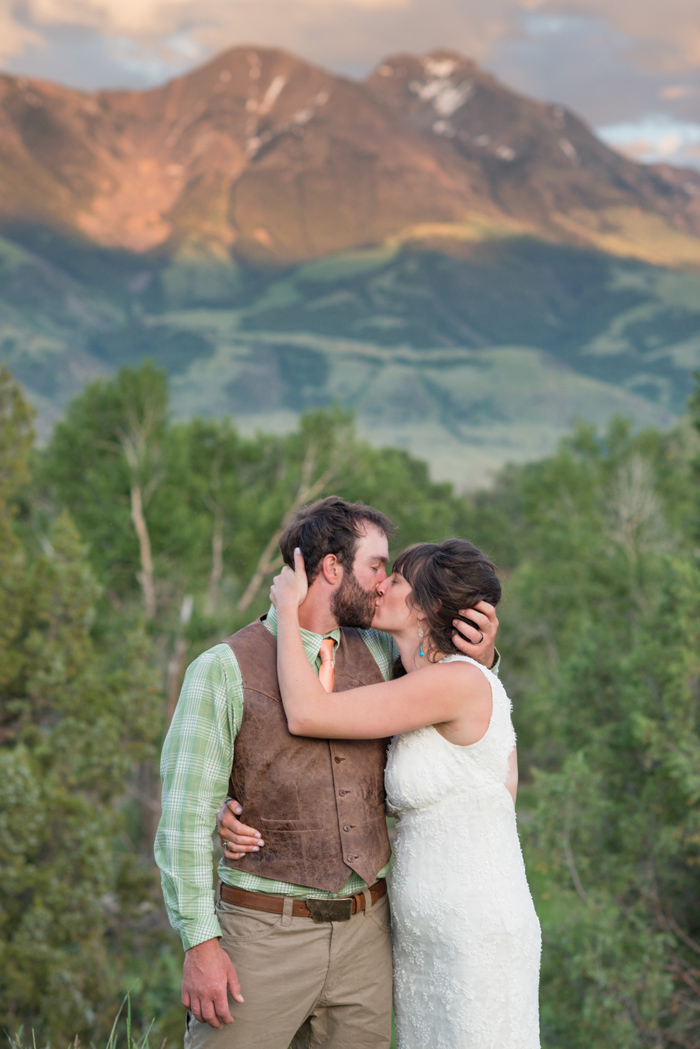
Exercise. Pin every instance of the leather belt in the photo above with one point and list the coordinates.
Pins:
(337, 910)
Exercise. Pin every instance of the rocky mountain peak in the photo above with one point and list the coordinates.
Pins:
(262, 157)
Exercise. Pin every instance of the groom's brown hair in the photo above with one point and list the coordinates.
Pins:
(329, 526)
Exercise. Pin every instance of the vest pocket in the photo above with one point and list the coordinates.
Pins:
(288, 826)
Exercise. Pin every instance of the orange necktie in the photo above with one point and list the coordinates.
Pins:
(326, 672)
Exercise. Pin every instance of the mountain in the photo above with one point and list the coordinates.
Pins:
(277, 237)
(266, 157)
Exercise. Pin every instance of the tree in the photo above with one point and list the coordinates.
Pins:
(601, 629)
(75, 718)
(16, 439)
(106, 461)
(597, 546)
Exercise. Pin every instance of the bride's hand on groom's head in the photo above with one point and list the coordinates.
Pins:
(477, 638)
(290, 585)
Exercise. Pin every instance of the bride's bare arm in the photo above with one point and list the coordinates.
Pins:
(434, 695)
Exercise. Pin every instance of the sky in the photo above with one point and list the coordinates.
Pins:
(630, 68)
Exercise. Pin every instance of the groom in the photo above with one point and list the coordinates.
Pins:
(301, 922)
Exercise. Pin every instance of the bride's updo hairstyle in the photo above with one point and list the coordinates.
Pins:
(445, 577)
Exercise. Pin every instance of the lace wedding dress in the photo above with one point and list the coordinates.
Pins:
(466, 936)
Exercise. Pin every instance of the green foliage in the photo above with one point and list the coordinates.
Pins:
(211, 498)
(111, 439)
(16, 438)
(601, 627)
(16, 435)
(695, 419)
(75, 718)
(600, 636)
(18, 1040)
(89, 679)
(616, 825)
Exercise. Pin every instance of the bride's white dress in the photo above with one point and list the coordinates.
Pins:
(466, 936)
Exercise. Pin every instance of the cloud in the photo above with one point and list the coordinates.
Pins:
(139, 18)
(149, 18)
(656, 138)
(664, 37)
(336, 32)
(675, 91)
(346, 35)
(15, 37)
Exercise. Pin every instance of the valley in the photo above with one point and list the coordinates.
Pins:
(467, 270)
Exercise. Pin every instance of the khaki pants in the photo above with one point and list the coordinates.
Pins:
(324, 986)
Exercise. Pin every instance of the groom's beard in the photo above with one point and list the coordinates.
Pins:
(351, 605)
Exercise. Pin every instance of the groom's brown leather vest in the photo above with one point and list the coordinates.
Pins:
(318, 803)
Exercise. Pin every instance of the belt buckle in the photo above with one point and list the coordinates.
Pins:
(330, 910)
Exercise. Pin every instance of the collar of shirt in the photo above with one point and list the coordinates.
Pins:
(310, 641)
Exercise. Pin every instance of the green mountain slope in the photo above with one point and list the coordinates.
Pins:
(468, 358)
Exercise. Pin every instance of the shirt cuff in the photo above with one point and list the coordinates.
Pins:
(496, 668)
(194, 934)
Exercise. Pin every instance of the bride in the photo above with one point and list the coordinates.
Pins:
(466, 936)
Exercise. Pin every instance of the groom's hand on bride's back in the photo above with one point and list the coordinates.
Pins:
(477, 638)
(236, 838)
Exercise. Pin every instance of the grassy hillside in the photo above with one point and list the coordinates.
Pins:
(466, 268)
(469, 352)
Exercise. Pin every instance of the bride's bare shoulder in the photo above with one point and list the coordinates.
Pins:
(459, 673)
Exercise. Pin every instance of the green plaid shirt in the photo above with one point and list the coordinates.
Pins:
(195, 769)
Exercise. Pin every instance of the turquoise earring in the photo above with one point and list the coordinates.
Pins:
(421, 653)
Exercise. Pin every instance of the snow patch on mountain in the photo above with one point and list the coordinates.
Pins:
(445, 96)
(443, 127)
(272, 94)
(439, 67)
(568, 150)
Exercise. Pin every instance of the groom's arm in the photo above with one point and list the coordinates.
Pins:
(477, 641)
(477, 636)
(195, 768)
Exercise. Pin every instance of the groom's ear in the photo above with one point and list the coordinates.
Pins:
(331, 569)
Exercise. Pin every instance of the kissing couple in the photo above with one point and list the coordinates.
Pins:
(353, 681)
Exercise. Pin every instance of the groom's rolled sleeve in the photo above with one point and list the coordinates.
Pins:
(195, 768)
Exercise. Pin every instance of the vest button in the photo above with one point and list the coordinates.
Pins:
(351, 858)
(337, 760)
(346, 827)
(342, 793)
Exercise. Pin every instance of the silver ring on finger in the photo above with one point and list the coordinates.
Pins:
(481, 638)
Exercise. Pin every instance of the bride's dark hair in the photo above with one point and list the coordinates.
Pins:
(445, 577)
